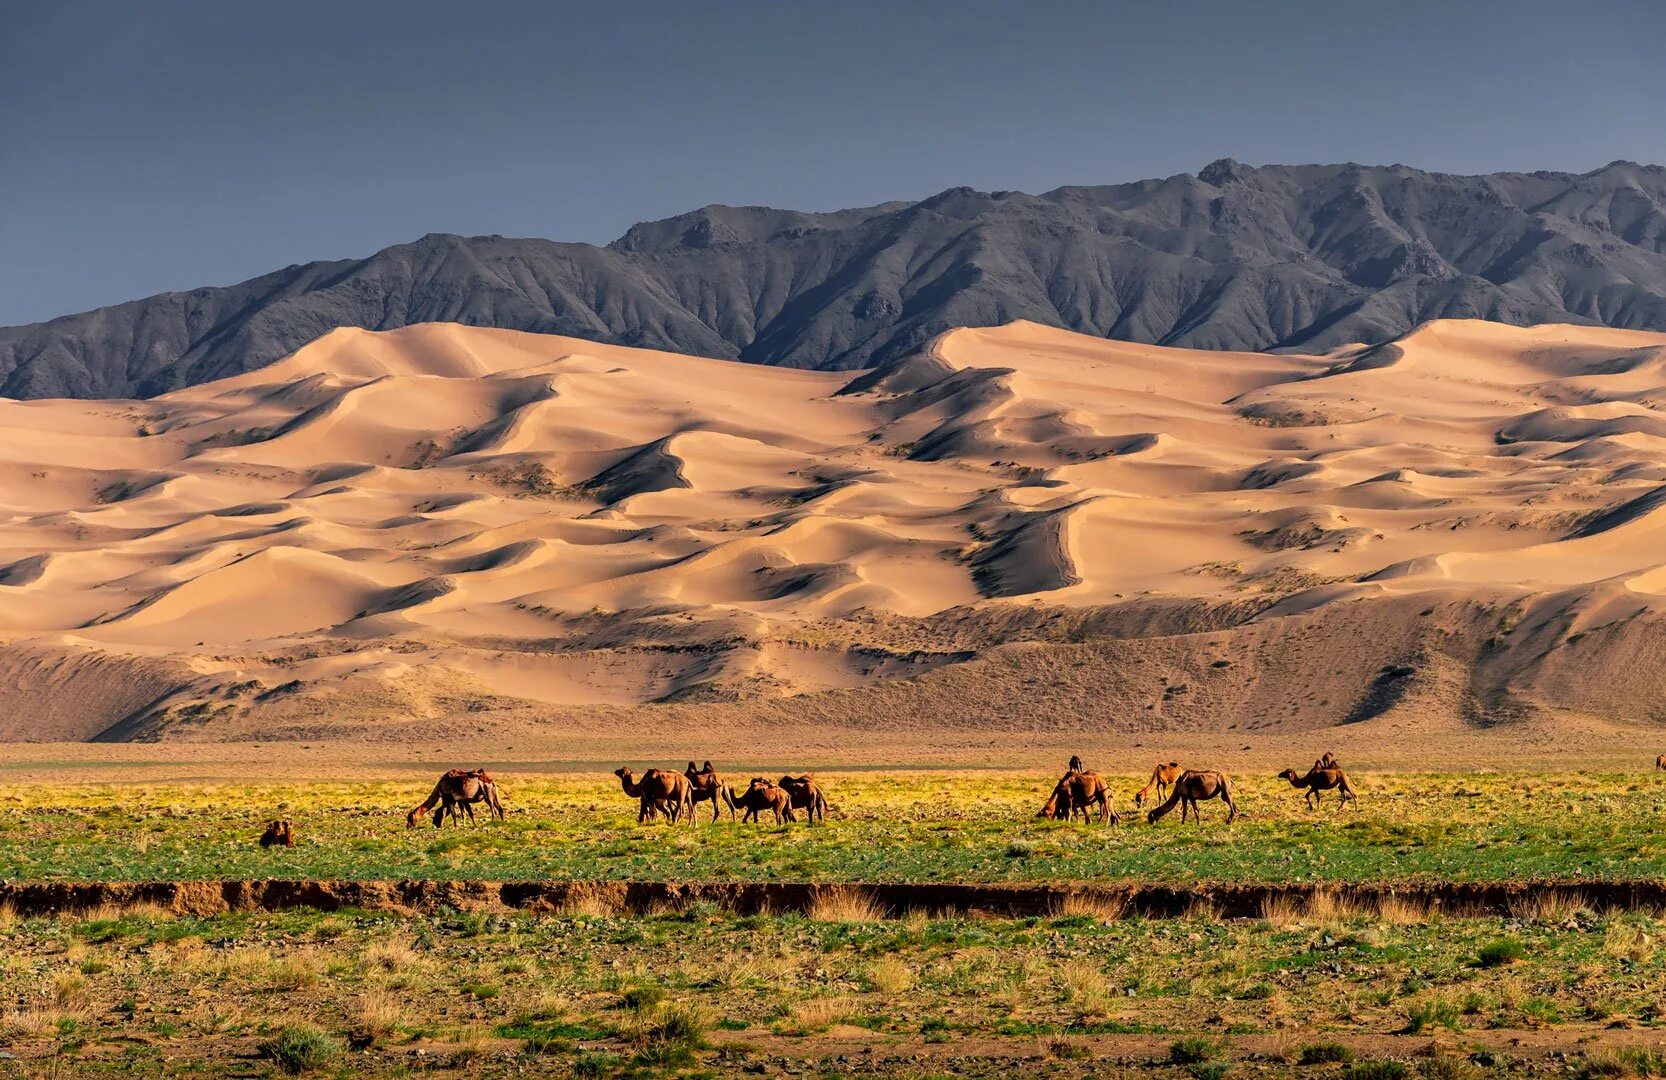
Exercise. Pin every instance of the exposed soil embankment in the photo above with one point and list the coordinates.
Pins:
(639, 897)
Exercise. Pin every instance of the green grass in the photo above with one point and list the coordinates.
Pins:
(688, 991)
(886, 826)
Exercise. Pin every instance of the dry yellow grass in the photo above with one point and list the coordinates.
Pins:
(1400, 911)
(845, 905)
(1101, 906)
(889, 975)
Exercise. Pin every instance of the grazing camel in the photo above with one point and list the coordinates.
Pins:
(1161, 777)
(705, 784)
(806, 795)
(1193, 786)
(278, 834)
(1320, 779)
(762, 795)
(458, 788)
(658, 792)
(1081, 791)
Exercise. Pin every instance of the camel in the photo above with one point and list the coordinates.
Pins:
(278, 834)
(658, 792)
(1161, 777)
(1660, 762)
(458, 788)
(1080, 791)
(1193, 786)
(705, 784)
(1320, 779)
(763, 795)
(806, 795)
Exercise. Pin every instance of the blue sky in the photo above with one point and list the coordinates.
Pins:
(183, 143)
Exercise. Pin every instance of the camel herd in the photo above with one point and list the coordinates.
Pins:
(1082, 791)
(673, 795)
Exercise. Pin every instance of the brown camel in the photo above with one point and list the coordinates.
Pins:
(1161, 777)
(806, 795)
(458, 788)
(278, 834)
(1080, 792)
(659, 792)
(761, 795)
(1193, 786)
(1660, 761)
(1317, 780)
(705, 784)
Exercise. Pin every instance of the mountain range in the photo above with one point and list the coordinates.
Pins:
(1235, 257)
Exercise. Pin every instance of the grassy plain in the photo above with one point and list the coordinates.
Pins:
(1318, 989)
(894, 826)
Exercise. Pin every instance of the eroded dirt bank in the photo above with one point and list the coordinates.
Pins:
(639, 897)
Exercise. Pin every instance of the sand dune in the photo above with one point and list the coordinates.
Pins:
(409, 526)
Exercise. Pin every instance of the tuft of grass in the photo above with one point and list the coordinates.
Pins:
(1434, 1013)
(1399, 911)
(844, 906)
(1327, 1053)
(1192, 1049)
(379, 1014)
(300, 1048)
(1381, 1069)
(1101, 907)
(1505, 950)
(891, 976)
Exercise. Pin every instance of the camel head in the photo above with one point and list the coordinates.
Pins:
(1288, 774)
(624, 773)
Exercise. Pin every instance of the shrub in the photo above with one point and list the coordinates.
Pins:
(1324, 1054)
(1430, 1014)
(300, 1048)
(1377, 1070)
(1501, 952)
(1191, 1050)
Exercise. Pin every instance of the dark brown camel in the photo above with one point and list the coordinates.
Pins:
(1080, 791)
(806, 795)
(1194, 786)
(278, 834)
(762, 795)
(458, 788)
(658, 792)
(705, 784)
(1161, 777)
(1319, 779)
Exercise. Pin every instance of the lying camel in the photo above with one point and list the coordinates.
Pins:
(1321, 779)
(762, 795)
(806, 795)
(1081, 792)
(278, 834)
(705, 784)
(658, 792)
(458, 788)
(1193, 786)
(1161, 777)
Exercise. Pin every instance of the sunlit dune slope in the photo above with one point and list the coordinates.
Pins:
(387, 529)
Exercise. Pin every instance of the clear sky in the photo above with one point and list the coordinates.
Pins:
(176, 143)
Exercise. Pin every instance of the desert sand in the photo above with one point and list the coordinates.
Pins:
(1016, 534)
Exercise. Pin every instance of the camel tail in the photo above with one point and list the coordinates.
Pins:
(1226, 796)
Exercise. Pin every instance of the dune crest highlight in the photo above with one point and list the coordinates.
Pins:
(386, 530)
